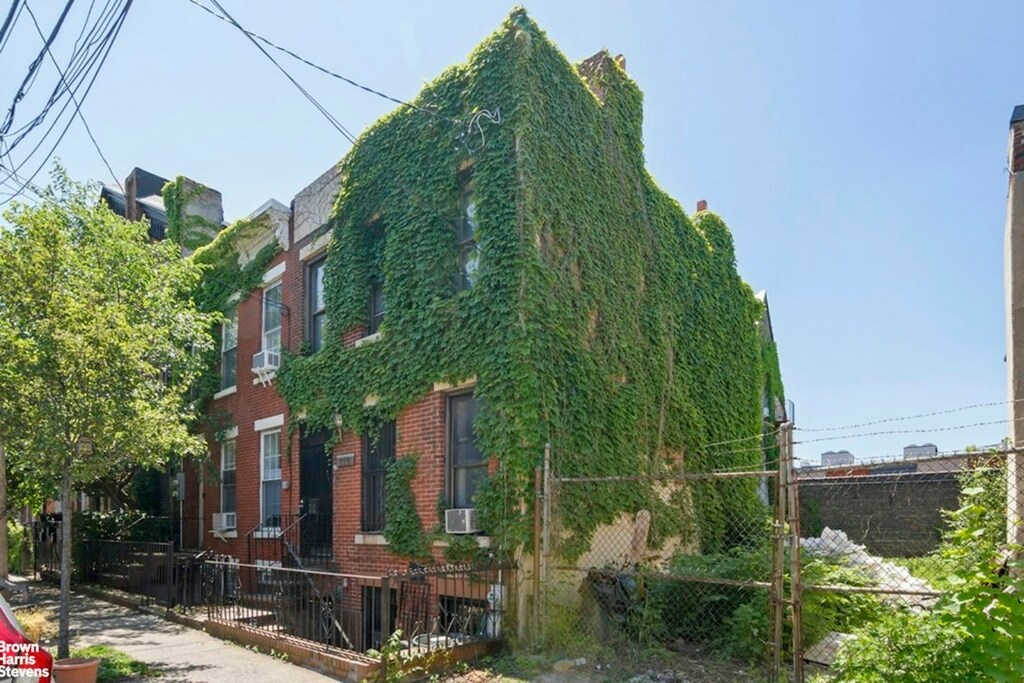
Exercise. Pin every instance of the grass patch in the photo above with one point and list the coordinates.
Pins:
(114, 664)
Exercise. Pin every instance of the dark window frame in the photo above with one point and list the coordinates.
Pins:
(376, 453)
(314, 336)
(467, 244)
(450, 468)
(377, 307)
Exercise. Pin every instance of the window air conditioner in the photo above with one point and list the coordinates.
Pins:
(223, 521)
(266, 361)
(461, 521)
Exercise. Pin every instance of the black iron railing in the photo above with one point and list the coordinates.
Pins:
(434, 608)
(443, 606)
(137, 567)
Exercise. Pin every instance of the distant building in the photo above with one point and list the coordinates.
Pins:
(836, 458)
(925, 450)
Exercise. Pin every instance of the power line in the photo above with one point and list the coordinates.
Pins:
(333, 121)
(107, 43)
(907, 417)
(78, 107)
(32, 68)
(333, 74)
(9, 19)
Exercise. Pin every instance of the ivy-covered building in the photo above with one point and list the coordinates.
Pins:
(484, 273)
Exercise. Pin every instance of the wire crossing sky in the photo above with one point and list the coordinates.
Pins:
(856, 150)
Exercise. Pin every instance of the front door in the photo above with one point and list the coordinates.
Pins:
(316, 497)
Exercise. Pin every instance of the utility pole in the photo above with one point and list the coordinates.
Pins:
(1013, 276)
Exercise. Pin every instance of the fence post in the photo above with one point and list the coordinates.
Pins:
(385, 624)
(169, 549)
(795, 583)
(538, 502)
(778, 559)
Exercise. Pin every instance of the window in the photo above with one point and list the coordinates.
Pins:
(376, 307)
(270, 480)
(229, 352)
(378, 449)
(227, 476)
(315, 304)
(272, 318)
(466, 247)
(467, 468)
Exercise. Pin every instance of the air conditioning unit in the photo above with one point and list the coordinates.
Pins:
(461, 521)
(266, 361)
(223, 521)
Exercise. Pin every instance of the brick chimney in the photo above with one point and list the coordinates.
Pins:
(595, 67)
(702, 205)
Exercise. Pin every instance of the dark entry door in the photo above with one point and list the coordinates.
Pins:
(316, 497)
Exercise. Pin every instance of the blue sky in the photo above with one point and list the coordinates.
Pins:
(857, 150)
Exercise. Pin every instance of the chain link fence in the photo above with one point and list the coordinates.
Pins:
(886, 542)
(690, 572)
(793, 573)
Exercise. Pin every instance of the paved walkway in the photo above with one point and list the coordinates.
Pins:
(181, 654)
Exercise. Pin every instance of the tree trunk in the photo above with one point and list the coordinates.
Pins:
(64, 632)
(3, 514)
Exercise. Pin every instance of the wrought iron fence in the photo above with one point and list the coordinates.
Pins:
(439, 607)
(433, 608)
(143, 569)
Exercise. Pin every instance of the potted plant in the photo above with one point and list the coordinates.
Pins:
(76, 670)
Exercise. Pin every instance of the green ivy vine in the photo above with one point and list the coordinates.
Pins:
(184, 229)
(403, 527)
(603, 319)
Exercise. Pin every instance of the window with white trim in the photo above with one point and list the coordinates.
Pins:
(272, 318)
(229, 351)
(227, 476)
(270, 479)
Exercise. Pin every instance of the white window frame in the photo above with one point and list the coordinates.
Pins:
(230, 324)
(224, 449)
(266, 332)
(263, 475)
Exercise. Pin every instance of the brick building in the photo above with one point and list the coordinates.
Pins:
(430, 266)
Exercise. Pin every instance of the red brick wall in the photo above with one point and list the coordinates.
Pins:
(420, 429)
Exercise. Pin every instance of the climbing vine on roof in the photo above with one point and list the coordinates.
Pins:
(603, 319)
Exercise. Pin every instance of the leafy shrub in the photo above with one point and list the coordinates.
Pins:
(18, 541)
(734, 619)
(976, 632)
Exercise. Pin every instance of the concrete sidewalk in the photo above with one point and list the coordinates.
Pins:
(181, 654)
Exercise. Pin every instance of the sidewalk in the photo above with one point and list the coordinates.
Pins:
(181, 654)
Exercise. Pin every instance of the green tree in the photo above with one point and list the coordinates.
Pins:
(101, 342)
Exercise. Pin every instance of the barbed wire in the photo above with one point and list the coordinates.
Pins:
(935, 413)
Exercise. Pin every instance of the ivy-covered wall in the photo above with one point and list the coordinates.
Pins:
(603, 320)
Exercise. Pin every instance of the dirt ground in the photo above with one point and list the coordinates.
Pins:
(685, 663)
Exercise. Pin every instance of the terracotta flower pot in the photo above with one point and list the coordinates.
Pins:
(75, 670)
